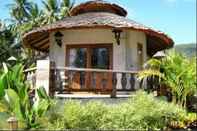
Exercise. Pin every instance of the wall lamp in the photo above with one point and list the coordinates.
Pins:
(117, 34)
(58, 38)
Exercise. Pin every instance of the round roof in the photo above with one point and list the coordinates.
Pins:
(39, 38)
(98, 6)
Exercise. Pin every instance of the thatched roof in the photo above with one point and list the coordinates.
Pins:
(98, 6)
(39, 38)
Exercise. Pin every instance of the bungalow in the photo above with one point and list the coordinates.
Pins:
(97, 49)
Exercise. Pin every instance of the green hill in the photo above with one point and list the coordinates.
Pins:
(187, 49)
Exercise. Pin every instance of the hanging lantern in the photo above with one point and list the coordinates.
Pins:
(58, 38)
(117, 34)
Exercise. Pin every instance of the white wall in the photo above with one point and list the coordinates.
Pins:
(124, 55)
(132, 39)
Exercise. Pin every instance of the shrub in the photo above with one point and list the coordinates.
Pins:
(142, 111)
(72, 114)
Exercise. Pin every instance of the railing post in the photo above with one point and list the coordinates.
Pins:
(82, 79)
(132, 82)
(63, 81)
(114, 83)
(124, 81)
(93, 80)
(52, 78)
(71, 77)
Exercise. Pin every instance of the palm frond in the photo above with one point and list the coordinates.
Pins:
(150, 73)
(153, 63)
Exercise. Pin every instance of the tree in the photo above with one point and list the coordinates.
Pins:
(51, 9)
(65, 7)
(177, 72)
(8, 46)
(27, 15)
(56, 10)
(20, 10)
(34, 19)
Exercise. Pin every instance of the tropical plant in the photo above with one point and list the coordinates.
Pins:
(175, 71)
(14, 94)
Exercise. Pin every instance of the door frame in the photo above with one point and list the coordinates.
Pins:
(88, 76)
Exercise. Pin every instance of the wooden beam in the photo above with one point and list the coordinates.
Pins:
(38, 40)
(38, 49)
(43, 43)
(45, 46)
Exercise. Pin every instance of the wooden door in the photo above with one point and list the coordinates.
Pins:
(76, 57)
(101, 58)
(90, 56)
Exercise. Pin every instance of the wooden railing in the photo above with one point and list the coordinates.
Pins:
(94, 80)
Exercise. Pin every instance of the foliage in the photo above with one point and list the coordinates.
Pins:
(177, 72)
(14, 94)
(142, 111)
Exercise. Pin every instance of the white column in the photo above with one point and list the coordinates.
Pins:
(43, 74)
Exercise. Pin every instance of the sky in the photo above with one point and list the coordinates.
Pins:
(177, 18)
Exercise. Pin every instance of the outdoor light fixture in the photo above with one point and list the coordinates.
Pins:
(58, 38)
(139, 52)
(117, 33)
